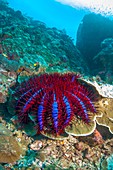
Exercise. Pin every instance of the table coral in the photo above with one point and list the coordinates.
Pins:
(106, 108)
(104, 104)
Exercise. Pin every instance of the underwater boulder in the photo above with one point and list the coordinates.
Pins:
(103, 61)
(87, 40)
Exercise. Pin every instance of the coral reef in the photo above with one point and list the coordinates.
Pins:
(29, 44)
(75, 153)
(105, 59)
(87, 40)
(10, 149)
(28, 41)
(97, 50)
(104, 90)
(28, 48)
(7, 79)
(10, 65)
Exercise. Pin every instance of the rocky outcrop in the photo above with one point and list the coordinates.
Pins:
(91, 32)
(30, 46)
(104, 61)
(26, 40)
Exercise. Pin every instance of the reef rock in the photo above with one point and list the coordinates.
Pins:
(92, 30)
(7, 79)
(103, 61)
(10, 150)
(29, 41)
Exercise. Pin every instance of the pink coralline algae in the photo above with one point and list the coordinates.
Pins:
(53, 100)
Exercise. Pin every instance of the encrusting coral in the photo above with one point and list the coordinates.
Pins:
(13, 143)
(10, 150)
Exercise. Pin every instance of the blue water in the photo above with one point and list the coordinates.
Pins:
(53, 13)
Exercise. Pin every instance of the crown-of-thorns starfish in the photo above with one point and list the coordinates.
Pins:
(54, 99)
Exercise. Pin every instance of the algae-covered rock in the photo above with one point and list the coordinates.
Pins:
(7, 79)
(4, 130)
(10, 148)
(87, 41)
(2, 168)
(29, 129)
(103, 61)
(10, 151)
